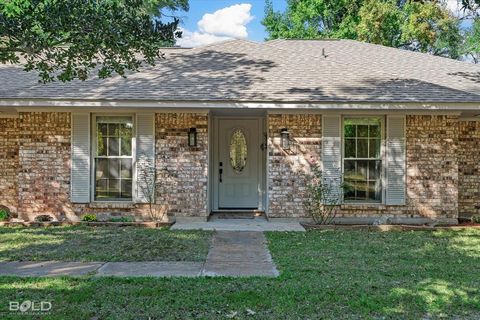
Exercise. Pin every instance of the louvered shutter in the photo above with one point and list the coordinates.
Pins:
(145, 160)
(80, 171)
(395, 156)
(331, 151)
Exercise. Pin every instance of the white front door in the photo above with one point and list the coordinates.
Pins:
(238, 163)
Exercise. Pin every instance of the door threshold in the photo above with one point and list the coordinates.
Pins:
(237, 210)
(236, 214)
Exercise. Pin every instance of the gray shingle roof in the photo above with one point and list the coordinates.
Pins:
(280, 70)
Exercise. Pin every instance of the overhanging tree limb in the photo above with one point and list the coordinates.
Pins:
(67, 39)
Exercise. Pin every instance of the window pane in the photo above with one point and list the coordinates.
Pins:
(102, 129)
(350, 130)
(114, 188)
(350, 172)
(349, 190)
(362, 148)
(101, 169)
(126, 134)
(362, 131)
(350, 148)
(101, 189)
(374, 148)
(126, 170)
(126, 189)
(362, 169)
(361, 190)
(374, 169)
(126, 146)
(375, 131)
(372, 191)
(113, 130)
(113, 168)
(113, 147)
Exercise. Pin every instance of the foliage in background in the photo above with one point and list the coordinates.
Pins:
(323, 196)
(424, 26)
(472, 41)
(68, 39)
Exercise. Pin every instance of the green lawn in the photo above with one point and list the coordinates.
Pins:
(325, 274)
(84, 243)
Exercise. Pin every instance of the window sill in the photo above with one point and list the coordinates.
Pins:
(364, 206)
(112, 205)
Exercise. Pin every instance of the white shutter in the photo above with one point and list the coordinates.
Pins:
(80, 172)
(331, 151)
(145, 158)
(396, 166)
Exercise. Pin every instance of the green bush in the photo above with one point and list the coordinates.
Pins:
(4, 215)
(122, 219)
(43, 218)
(90, 217)
(476, 219)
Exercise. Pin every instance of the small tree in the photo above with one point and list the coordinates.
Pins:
(323, 196)
(148, 185)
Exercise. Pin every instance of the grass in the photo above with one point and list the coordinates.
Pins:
(85, 243)
(324, 274)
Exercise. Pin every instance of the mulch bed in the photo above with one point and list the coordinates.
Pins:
(148, 224)
(389, 227)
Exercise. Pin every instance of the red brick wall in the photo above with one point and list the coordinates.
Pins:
(182, 171)
(9, 163)
(44, 164)
(432, 168)
(469, 168)
(287, 169)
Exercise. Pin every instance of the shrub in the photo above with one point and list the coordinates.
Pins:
(323, 196)
(476, 219)
(122, 219)
(43, 218)
(4, 215)
(90, 217)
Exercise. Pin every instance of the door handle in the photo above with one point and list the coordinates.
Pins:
(220, 171)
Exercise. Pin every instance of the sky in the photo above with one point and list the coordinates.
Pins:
(210, 21)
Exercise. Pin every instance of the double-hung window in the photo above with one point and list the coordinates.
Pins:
(362, 159)
(113, 158)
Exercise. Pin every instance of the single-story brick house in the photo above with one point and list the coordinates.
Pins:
(236, 125)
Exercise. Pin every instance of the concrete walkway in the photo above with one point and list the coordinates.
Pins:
(237, 254)
(233, 253)
(258, 224)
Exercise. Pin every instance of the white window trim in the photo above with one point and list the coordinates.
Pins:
(383, 174)
(93, 150)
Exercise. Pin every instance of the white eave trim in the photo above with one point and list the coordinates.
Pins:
(72, 105)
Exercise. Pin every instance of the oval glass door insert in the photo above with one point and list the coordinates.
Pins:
(238, 151)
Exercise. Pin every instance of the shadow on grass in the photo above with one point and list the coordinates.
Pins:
(101, 244)
(325, 274)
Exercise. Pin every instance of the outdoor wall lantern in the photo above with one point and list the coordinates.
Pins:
(192, 137)
(285, 139)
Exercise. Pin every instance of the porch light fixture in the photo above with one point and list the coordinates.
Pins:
(285, 139)
(192, 137)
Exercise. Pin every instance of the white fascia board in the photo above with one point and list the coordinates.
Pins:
(72, 105)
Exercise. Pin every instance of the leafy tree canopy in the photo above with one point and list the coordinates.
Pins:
(67, 39)
(424, 26)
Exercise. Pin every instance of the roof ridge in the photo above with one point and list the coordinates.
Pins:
(417, 53)
(389, 75)
(220, 43)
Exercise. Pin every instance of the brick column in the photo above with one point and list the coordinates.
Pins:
(44, 164)
(182, 171)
